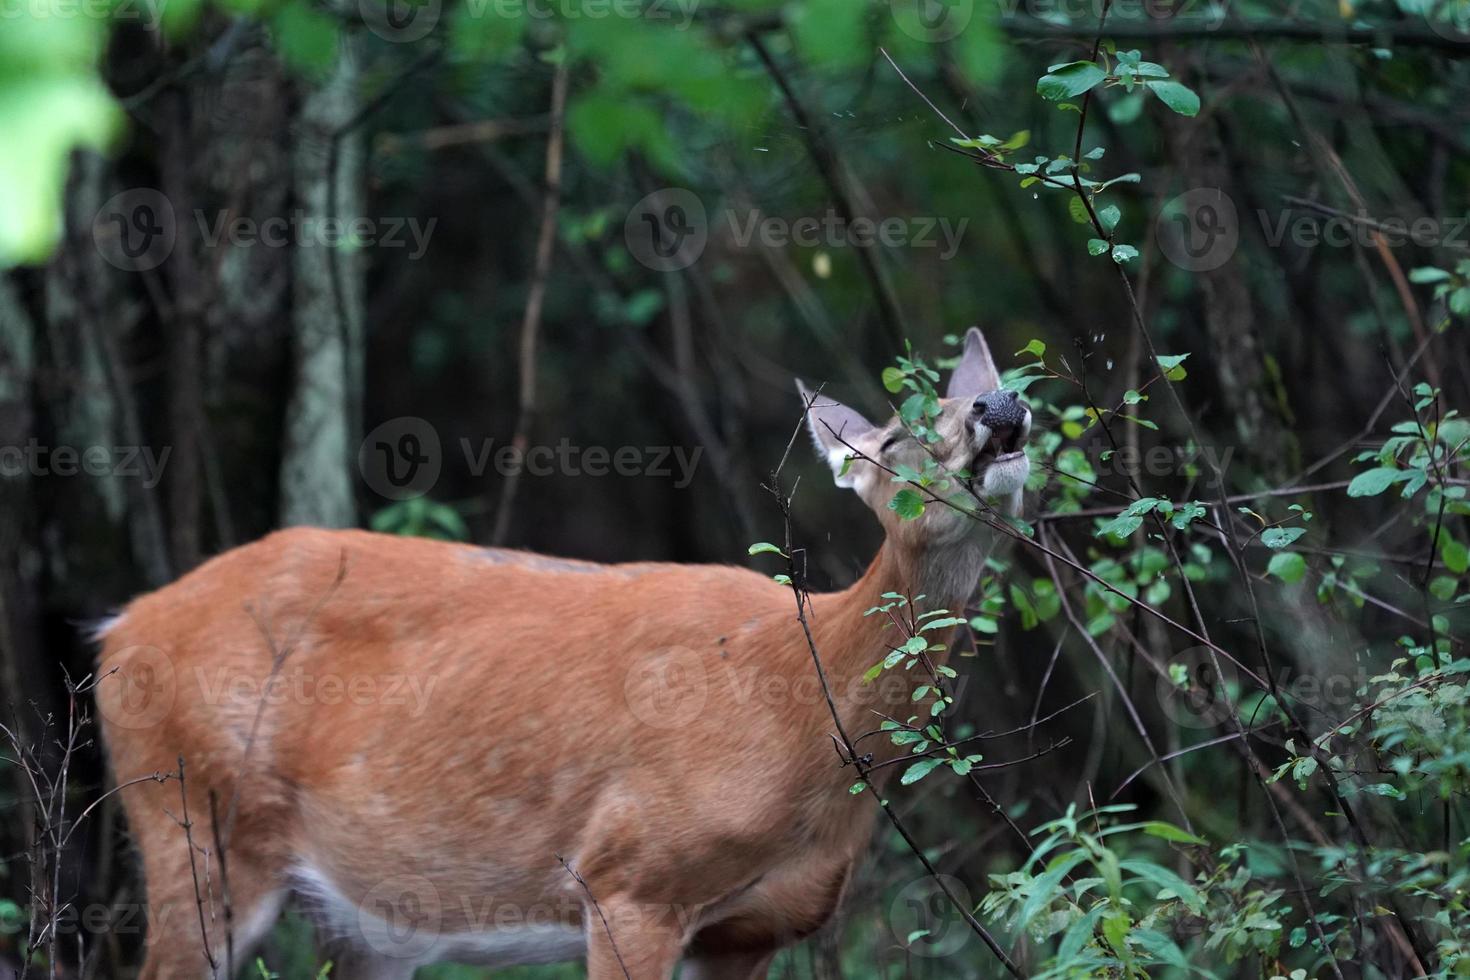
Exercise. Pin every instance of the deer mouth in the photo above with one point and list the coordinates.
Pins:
(1002, 445)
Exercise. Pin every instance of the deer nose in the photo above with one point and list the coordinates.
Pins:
(999, 409)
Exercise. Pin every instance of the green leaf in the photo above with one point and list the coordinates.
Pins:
(1172, 366)
(1033, 346)
(1123, 253)
(1280, 537)
(1287, 566)
(907, 504)
(1370, 483)
(51, 103)
(893, 379)
(306, 38)
(764, 548)
(1456, 556)
(1109, 216)
(1176, 96)
(1096, 246)
(1068, 80)
(1167, 831)
(831, 33)
(1169, 883)
(1428, 274)
(919, 770)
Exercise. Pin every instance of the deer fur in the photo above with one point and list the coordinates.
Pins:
(528, 735)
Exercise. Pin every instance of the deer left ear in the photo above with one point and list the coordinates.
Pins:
(976, 373)
(834, 428)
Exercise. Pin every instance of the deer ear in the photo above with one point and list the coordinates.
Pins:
(976, 373)
(834, 427)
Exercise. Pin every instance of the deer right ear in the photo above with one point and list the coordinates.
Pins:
(835, 428)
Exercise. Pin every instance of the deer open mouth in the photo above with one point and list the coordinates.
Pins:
(1003, 444)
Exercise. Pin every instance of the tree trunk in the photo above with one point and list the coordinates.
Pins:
(316, 472)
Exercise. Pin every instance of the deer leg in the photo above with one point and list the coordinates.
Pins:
(176, 939)
(634, 942)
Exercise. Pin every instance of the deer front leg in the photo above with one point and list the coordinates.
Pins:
(627, 940)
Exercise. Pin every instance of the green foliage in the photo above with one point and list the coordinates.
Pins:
(421, 517)
(51, 103)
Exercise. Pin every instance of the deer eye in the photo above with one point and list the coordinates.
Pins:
(890, 442)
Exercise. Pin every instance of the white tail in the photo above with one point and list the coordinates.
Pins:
(455, 753)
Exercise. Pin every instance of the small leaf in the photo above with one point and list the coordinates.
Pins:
(1287, 566)
(1280, 537)
(1173, 366)
(1181, 98)
(1109, 216)
(1370, 483)
(893, 379)
(919, 770)
(1123, 253)
(907, 504)
(1068, 80)
(1096, 246)
(765, 548)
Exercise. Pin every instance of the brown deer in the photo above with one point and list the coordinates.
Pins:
(447, 752)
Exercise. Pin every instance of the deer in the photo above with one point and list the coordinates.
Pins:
(447, 752)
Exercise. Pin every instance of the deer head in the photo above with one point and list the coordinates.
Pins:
(982, 430)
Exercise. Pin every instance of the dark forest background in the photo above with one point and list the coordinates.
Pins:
(1298, 231)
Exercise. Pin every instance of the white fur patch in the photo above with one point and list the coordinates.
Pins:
(96, 632)
(398, 921)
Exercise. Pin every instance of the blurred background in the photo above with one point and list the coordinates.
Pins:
(276, 262)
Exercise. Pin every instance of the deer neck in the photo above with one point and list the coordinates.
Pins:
(850, 643)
